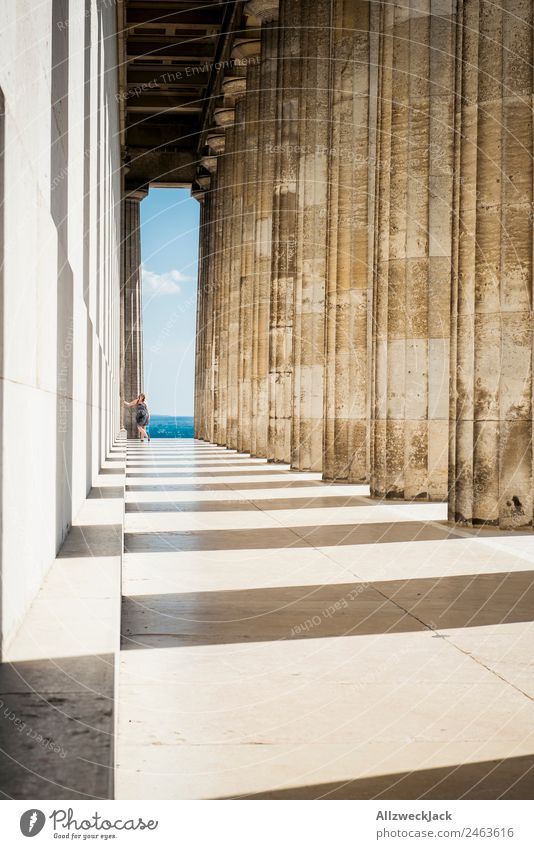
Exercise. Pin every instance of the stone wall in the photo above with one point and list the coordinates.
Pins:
(60, 317)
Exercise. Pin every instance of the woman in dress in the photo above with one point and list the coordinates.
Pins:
(142, 416)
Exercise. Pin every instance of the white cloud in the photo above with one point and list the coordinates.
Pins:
(167, 283)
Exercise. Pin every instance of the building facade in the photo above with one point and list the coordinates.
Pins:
(61, 196)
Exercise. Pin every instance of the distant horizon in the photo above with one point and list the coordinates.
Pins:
(170, 426)
(170, 416)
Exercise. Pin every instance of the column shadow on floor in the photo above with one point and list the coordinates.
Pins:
(315, 536)
(193, 473)
(92, 541)
(217, 487)
(332, 610)
(264, 505)
(510, 778)
(174, 463)
(56, 728)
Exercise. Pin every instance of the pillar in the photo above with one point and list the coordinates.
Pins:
(204, 316)
(131, 308)
(267, 12)
(347, 221)
(232, 258)
(217, 143)
(208, 318)
(225, 119)
(248, 307)
(311, 205)
(200, 338)
(491, 361)
(283, 267)
(411, 323)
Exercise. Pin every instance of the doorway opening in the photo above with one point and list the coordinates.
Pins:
(169, 263)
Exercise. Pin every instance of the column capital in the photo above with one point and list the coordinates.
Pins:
(137, 194)
(234, 88)
(224, 116)
(265, 10)
(216, 142)
(209, 163)
(245, 49)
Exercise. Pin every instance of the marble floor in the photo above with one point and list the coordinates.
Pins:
(288, 638)
(58, 675)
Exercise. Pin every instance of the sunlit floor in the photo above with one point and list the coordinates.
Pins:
(287, 638)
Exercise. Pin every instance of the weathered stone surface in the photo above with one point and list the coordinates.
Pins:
(413, 244)
(248, 306)
(233, 261)
(346, 219)
(263, 237)
(490, 463)
(311, 233)
(284, 228)
(330, 344)
(265, 10)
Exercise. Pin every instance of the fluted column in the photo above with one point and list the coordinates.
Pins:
(205, 308)
(283, 267)
(131, 308)
(346, 380)
(200, 335)
(217, 143)
(208, 247)
(491, 362)
(248, 308)
(225, 118)
(413, 253)
(235, 150)
(312, 192)
(267, 11)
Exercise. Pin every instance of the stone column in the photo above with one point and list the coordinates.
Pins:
(413, 252)
(209, 288)
(131, 309)
(267, 12)
(283, 267)
(240, 329)
(346, 379)
(491, 361)
(248, 310)
(200, 335)
(234, 92)
(225, 118)
(216, 143)
(312, 192)
(203, 362)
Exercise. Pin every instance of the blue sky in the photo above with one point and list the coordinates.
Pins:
(169, 251)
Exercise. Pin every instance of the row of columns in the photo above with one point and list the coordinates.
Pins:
(365, 288)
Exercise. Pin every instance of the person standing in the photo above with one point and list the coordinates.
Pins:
(142, 416)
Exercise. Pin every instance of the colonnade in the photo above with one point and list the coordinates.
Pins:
(365, 285)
